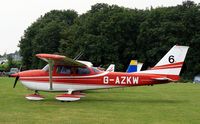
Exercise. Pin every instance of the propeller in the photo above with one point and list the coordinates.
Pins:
(17, 77)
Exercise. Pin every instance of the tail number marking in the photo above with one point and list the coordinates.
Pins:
(123, 80)
(171, 59)
(126, 80)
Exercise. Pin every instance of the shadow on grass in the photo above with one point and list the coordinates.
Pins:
(92, 100)
(154, 101)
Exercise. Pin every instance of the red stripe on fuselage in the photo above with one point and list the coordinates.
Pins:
(112, 78)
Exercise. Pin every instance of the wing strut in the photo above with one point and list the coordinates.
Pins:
(50, 73)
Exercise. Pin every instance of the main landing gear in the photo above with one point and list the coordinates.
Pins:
(35, 97)
(67, 97)
(70, 96)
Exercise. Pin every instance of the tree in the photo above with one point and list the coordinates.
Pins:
(43, 36)
(106, 34)
(10, 62)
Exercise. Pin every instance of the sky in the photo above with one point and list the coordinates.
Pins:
(17, 15)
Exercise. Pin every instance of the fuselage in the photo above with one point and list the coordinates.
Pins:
(78, 78)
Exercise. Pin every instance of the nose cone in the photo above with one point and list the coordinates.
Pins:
(30, 73)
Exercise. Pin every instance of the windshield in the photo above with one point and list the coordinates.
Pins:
(46, 68)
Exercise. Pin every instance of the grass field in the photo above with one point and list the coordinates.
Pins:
(175, 103)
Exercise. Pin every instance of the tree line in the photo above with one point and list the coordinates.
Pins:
(111, 34)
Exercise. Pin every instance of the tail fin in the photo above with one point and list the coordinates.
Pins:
(111, 68)
(134, 66)
(171, 63)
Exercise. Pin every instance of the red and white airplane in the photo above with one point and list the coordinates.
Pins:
(72, 76)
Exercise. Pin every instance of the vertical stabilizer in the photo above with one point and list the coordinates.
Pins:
(171, 63)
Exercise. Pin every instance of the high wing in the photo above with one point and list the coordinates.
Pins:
(60, 60)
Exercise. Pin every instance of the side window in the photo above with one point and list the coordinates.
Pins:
(63, 70)
(82, 70)
(96, 69)
(46, 68)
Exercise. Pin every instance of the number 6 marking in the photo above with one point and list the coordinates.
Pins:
(171, 59)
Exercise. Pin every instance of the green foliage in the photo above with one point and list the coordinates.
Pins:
(165, 27)
(106, 34)
(10, 64)
(112, 34)
(4, 67)
(10, 61)
(43, 36)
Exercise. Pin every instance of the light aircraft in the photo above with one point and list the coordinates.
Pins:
(72, 76)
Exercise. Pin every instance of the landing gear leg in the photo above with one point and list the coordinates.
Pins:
(69, 92)
(36, 92)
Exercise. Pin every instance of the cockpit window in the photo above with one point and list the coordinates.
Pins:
(46, 68)
(63, 70)
(96, 69)
(82, 70)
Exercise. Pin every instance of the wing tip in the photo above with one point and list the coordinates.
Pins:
(49, 56)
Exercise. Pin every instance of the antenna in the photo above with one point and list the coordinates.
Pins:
(78, 56)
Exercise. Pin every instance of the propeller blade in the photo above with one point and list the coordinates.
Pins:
(16, 79)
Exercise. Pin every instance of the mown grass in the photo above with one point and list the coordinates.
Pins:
(175, 103)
